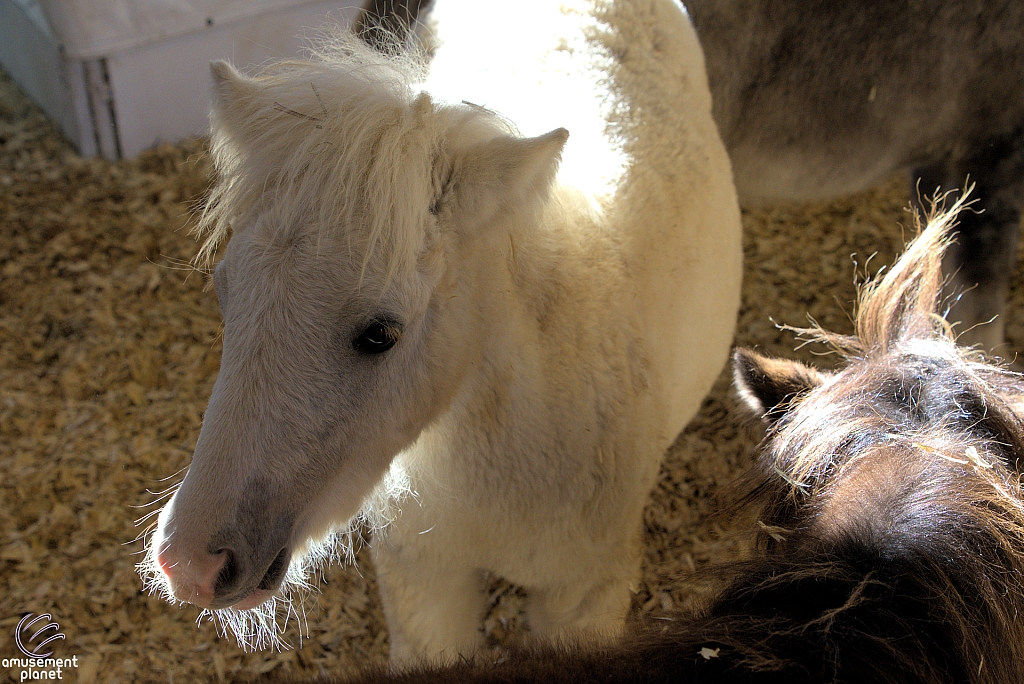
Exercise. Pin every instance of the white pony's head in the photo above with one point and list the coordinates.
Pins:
(361, 212)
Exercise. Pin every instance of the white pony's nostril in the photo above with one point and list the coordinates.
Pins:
(276, 571)
(226, 572)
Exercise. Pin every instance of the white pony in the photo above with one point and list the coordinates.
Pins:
(413, 292)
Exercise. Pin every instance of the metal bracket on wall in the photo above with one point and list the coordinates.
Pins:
(101, 106)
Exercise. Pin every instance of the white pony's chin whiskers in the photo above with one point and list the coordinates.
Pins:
(263, 627)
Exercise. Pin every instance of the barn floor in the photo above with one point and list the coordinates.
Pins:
(109, 348)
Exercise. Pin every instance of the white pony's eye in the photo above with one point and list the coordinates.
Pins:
(378, 337)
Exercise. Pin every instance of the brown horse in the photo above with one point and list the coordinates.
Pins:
(891, 516)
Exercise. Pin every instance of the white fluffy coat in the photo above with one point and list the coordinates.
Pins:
(556, 331)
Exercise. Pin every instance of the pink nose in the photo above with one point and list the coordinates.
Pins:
(193, 580)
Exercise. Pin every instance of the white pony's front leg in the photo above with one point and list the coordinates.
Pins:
(589, 607)
(434, 606)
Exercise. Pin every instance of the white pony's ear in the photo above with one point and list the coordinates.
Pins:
(504, 173)
(233, 93)
(769, 386)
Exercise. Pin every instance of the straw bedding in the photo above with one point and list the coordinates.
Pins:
(109, 346)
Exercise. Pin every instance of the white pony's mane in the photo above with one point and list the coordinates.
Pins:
(338, 141)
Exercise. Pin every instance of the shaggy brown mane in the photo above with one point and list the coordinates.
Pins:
(908, 458)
